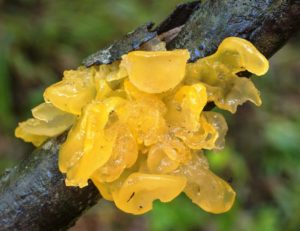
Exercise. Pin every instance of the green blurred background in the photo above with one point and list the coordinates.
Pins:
(41, 38)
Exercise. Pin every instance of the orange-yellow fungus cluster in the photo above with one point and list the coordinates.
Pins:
(138, 129)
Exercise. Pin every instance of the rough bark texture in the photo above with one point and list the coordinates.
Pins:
(129, 42)
(267, 24)
(33, 195)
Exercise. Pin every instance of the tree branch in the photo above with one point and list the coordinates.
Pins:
(33, 195)
(267, 24)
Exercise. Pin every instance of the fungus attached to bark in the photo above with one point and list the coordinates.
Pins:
(138, 129)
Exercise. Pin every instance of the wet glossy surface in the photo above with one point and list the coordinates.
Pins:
(139, 128)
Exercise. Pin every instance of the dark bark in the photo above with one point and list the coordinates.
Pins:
(267, 24)
(142, 34)
(33, 195)
(129, 42)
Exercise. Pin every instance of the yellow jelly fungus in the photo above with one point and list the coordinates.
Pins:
(204, 138)
(155, 72)
(219, 73)
(103, 90)
(185, 108)
(218, 122)
(207, 190)
(72, 93)
(139, 125)
(48, 121)
(249, 57)
(124, 154)
(97, 145)
(72, 149)
(144, 116)
(111, 72)
(46, 112)
(139, 191)
(36, 140)
(159, 160)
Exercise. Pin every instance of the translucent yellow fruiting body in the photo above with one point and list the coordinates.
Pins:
(75, 91)
(139, 129)
(205, 189)
(219, 73)
(139, 190)
(48, 121)
(148, 71)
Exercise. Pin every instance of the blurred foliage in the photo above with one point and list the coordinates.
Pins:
(41, 38)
